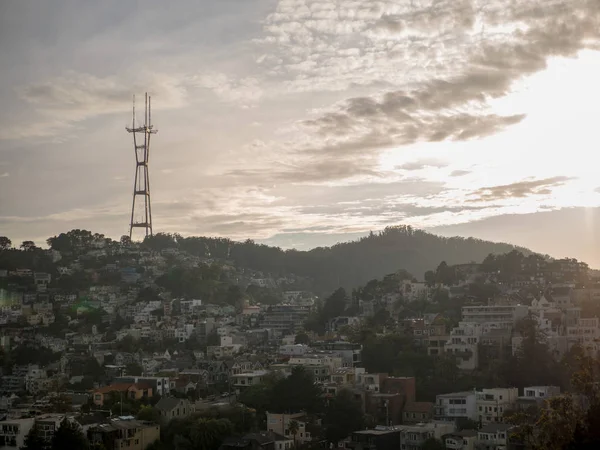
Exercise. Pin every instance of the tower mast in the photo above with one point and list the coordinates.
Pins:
(141, 183)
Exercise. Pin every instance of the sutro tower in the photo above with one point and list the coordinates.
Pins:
(141, 184)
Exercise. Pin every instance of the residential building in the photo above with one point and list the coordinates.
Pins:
(536, 396)
(379, 438)
(170, 408)
(279, 423)
(41, 280)
(124, 433)
(160, 385)
(464, 345)
(457, 405)
(493, 403)
(293, 349)
(417, 412)
(495, 436)
(243, 380)
(255, 441)
(461, 440)
(371, 381)
(47, 425)
(14, 432)
(412, 437)
(285, 317)
(503, 316)
(133, 391)
(317, 359)
(349, 352)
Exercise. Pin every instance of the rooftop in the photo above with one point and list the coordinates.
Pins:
(456, 394)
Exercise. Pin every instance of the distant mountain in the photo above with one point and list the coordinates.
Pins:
(354, 263)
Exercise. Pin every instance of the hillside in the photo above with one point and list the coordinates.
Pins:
(348, 264)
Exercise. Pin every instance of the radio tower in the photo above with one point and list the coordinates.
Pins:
(141, 184)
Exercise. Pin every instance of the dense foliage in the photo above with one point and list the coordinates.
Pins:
(348, 264)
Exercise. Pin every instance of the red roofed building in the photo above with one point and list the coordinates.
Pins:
(132, 391)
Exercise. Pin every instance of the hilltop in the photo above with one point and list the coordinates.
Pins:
(348, 264)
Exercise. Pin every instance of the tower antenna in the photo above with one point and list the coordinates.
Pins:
(141, 182)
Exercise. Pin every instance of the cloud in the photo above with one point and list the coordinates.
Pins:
(63, 101)
(439, 64)
(428, 114)
(246, 89)
(519, 190)
(422, 164)
(459, 173)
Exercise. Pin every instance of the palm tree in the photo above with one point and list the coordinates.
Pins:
(293, 428)
(207, 434)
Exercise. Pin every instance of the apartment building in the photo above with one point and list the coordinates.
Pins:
(124, 433)
(536, 396)
(504, 316)
(461, 440)
(279, 423)
(328, 359)
(463, 345)
(493, 403)
(285, 317)
(495, 436)
(457, 405)
(13, 433)
(412, 437)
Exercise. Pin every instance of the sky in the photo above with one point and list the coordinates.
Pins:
(306, 122)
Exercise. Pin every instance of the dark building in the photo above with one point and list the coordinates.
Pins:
(380, 438)
(252, 441)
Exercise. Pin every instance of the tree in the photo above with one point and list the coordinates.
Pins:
(5, 243)
(125, 241)
(335, 305)
(207, 434)
(149, 414)
(343, 415)
(133, 369)
(297, 392)
(69, 435)
(293, 428)
(28, 246)
(302, 338)
(34, 440)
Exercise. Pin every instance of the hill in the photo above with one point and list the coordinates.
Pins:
(348, 264)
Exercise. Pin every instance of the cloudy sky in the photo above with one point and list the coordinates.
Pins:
(304, 122)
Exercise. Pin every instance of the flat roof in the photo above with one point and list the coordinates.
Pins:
(457, 394)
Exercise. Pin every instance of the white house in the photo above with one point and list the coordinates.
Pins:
(456, 405)
(13, 433)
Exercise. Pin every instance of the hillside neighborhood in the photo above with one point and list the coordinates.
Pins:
(170, 344)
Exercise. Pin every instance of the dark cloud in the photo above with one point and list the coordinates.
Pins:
(519, 190)
(422, 164)
(390, 24)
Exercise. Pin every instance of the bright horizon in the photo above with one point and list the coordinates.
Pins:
(300, 122)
